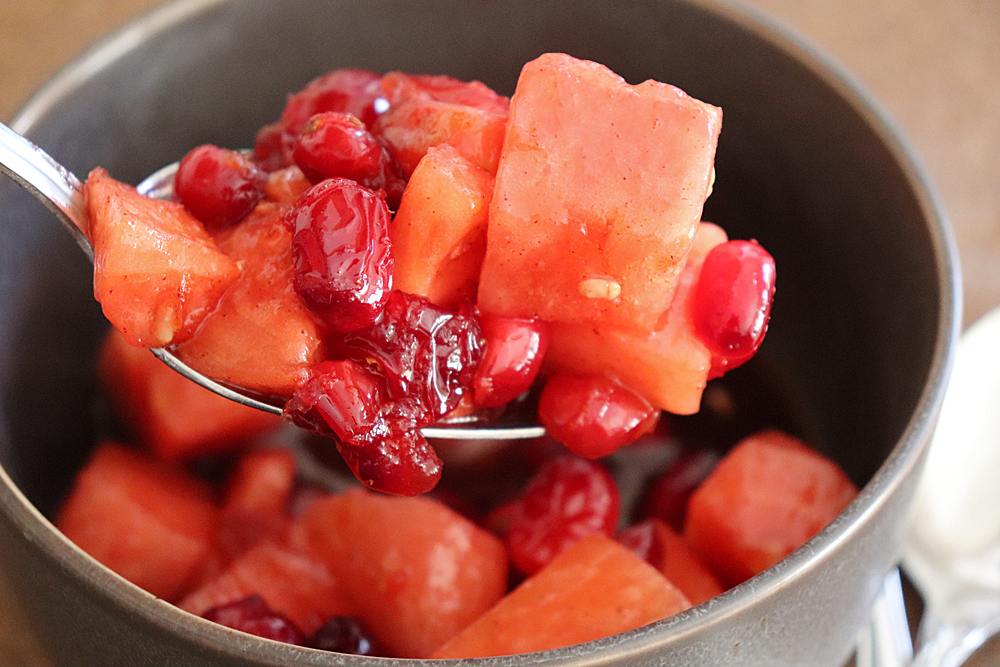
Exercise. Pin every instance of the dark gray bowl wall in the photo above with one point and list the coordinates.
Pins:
(862, 323)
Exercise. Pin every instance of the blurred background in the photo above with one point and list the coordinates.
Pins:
(933, 64)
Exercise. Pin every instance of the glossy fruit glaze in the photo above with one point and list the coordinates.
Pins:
(342, 253)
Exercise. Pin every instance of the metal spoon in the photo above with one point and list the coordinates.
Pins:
(952, 550)
(61, 192)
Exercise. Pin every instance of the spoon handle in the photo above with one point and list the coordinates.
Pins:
(952, 643)
(886, 641)
(51, 183)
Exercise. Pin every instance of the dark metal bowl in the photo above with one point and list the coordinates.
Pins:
(862, 329)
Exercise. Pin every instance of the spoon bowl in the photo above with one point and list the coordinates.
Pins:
(61, 192)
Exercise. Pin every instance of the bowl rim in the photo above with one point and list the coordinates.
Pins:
(905, 458)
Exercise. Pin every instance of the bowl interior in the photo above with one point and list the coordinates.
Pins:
(864, 280)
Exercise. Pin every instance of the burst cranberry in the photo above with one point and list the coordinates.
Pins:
(378, 437)
(343, 634)
(253, 615)
(393, 457)
(567, 498)
(593, 415)
(513, 356)
(732, 302)
(341, 397)
(218, 186)
(427, 353)
(338, 145)
(668, 494)
(342, 253)
(427, 357)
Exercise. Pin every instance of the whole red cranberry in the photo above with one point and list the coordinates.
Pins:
(354, 91)
(428, 354)
(335, 145)
(567, 498)
(342, 253)
(218, 186)
(594, 415)
(513, 356)
(732, 302)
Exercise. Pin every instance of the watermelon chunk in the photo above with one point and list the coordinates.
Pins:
(426, 111)
(151, 523)
(261, 337)
(414, 571)
(157, 272)
(766, 498)
(399, 86)
(599, 189)
(439, 232)
(174, 418)
(670, 366)
(286, 185)
(287, 577)
(594, 589)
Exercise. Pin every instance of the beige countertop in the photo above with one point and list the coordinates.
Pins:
(933, 64)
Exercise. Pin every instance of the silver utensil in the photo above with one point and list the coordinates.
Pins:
(61, 192)
(952, 550)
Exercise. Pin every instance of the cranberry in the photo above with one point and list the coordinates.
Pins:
(643, 540)
(378, 438)
(343, 634)
(218, 186)
(269, 150)
(668, 494)
(353, 91)
(567, 497)
(338, 145)
(253, 615)
(342, 253)
(393, 457)
(399, 86)
(593, 415)
(513, 356)
(428, 354)
(732, 302)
